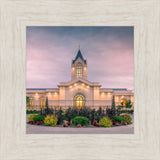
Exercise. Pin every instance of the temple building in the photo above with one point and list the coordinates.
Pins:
(79, 91)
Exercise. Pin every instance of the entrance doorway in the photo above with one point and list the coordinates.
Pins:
(79, 101)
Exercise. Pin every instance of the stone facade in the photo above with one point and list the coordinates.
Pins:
(79, 91)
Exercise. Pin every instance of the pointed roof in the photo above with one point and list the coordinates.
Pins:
(79, 55)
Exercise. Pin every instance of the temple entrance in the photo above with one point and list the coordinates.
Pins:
(79, 101)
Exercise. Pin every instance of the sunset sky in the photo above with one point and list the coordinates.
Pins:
(109, 52)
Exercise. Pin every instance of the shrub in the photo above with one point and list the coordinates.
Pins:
(119, 107)
(79, 125)
(32, 112)
(105, 122)
(128, 104)
(80, 120)
(84, 112)
(50, 120)
(59, 116)
(111, 112)
(127, 118)
(38, 118)
(119, 119)
(126, 111)
(31, 117)
(92, 115)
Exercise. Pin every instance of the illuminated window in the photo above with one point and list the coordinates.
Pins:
(79, 70)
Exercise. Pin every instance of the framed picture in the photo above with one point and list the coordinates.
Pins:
(49, 66)
(105, 55)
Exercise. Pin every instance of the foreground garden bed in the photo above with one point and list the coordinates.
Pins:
(89, 126)
(84, 117)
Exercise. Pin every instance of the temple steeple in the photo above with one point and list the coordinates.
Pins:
(79, 66)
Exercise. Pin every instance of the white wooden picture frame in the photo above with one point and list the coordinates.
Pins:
(15, 144)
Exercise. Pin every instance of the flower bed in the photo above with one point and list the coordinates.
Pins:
(79, 121)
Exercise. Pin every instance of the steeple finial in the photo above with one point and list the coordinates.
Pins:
(79, 47)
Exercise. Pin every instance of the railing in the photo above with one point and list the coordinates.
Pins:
(36, 105)
(64, 104)
(71, 103)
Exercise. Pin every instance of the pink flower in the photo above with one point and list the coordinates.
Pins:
(97, 124)
(124, 123)
(116, 123)
(79, 125)
(31, 122)
(68, 123)
(94, 123)
(64, 125)
(38, 123)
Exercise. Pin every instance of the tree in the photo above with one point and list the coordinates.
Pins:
(113, 103)
(27, 100)
(99, 111)
(128, 104)
(46, 105)
(92, 115)
(59, 116)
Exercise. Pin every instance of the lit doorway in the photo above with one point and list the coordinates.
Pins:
(79, 101)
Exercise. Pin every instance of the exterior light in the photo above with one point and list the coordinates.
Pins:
(73, 68)
(85, 68)
(55, 93)
(102, 93)
(49, 93)
(122, 96)
(83, 84)
(87, 86)
(75, 84)
(109, 93)
(36, 94)
(70, 86)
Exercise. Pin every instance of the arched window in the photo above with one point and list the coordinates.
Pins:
(79, 70)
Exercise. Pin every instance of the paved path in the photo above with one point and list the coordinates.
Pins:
(33, 129)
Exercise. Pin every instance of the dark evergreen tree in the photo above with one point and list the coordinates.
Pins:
(60, 116)
(128, 104)
(92, 117)
(103, 113)
(99, 111)
(46, 107)
(113, 103)
(27, 100)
